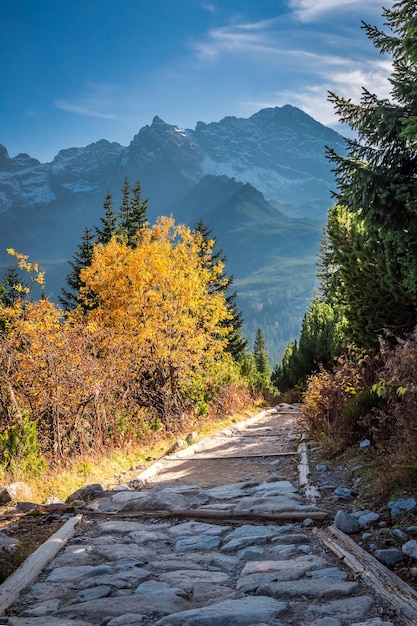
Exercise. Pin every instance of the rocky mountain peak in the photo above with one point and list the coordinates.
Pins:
(4, 159)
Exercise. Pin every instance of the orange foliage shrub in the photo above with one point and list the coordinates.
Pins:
(150, 347)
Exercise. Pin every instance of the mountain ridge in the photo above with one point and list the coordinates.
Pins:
(249, 179)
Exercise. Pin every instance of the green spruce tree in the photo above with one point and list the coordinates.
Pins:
(261, 355)
(373, 227)
(11, 287)
(81, 259)
(108, 222)
(237, 343)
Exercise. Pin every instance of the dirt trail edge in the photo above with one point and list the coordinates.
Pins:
(228, 532)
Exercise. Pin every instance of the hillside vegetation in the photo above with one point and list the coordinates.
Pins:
(146, 346)
(356, 357)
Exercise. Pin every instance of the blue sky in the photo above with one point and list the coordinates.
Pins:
(76, 71)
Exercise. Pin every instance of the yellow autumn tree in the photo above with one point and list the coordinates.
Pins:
(155, 298)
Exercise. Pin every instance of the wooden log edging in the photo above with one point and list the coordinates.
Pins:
(311, 492)
(215, 515)
(235, 456)
(27, 573)
(388, 585)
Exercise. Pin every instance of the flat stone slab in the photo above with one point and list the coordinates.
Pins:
(309, 589)
(113, 607)
(239, 612)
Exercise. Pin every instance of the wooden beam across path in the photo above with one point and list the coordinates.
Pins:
(216, 516)
(27, 573)
(200, 457)
(387, 584)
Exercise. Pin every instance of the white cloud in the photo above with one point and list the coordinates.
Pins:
(96, 101)
(82, 109)
(207, 6)
(347, 84)
(307, 10)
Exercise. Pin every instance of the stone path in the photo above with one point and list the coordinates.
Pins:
(216, 535)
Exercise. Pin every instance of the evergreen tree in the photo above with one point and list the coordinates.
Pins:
(373, 227)
(108, 222)
(261, 355)
(139, 211)
(81, 259)
(11, 288)
(288, 374)
(125, 209)
(133, 212)
(237, 343)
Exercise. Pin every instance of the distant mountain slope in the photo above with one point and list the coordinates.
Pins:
(262, 184)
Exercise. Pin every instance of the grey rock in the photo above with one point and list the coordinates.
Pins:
(252, 582)
(410, 548)
(181, 444)
(16, 491)
(389, 556)
(53, 500)
(164, 500)
(327, 621)
(93, 593)
(313, 588)
(273, 504)
(252, 553)
(321, 467)
(276, 488)
(355, 608)
(154, 588)
(85, 494)
(134, 603)
(305, 549)
(8, 546)
(116, 551)
(122, 527)
(127, 620)
(285, 551)
(197, 528)
(346, 522)
(235, 612)
(248, 530)
(342, 493)
(226, 492)
(332, 572)
(302, 563)
(401, 506)
(69, 574)
(367, 519)
(43, 608)
(197, 543)
(192, 438)
(100, 570)
(397, 532)
(294, 538)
